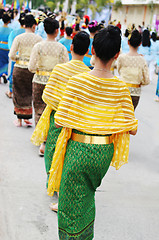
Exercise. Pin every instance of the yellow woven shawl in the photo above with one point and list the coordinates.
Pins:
(95, 106)
(53, 93)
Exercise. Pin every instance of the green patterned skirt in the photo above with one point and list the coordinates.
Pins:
(84, 167)
(51, 144)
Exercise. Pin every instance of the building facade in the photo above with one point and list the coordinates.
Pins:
(137, 12)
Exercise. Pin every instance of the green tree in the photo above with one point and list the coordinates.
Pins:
(51, 5)
(117, 5)
(95, 6)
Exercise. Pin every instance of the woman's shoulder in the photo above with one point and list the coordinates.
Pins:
(82, 75)
(122, 56)
(119, 82)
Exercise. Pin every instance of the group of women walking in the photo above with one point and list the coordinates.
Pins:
(84, 115)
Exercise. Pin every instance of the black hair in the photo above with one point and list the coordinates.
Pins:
(135, 39)
(154, 36)
(86, 21)
(29, 21)
(50, 25)
(26, 11)
(16, 11)
(1, 13)
(146, 38)
(133, 26)
(77, 27)
(93, 27)
(22, 19)
(69, 31)
(62, 25)
(126, 34)
(11, 13)
(107, 43)
(6, 17)
(81, 42)
(100, 26)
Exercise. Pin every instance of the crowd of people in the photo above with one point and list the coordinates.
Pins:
(84, 114)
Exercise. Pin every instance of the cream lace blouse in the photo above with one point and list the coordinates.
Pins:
(133, 70)
(45, 56)
(23, 44)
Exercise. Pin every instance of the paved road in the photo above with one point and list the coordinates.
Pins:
(127, 201)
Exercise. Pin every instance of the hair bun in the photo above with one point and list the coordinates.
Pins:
(135, 38)
(113, 32)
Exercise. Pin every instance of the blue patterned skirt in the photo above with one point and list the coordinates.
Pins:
(4, 61)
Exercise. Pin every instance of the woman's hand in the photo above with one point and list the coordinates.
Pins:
(57, 126)
(133, 132)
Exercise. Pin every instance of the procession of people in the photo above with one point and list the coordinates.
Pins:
(81, 84)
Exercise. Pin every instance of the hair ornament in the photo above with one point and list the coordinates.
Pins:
(130, 33)
(129, 36)
(42, 17)
(8, 13)
(94, 23)
(52, 15)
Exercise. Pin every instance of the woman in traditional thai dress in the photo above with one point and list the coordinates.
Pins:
(12, 35)
(14, 24)
(53, 93)
(93, 28)
(97, 117)
(145, 47)
(4, 50)
(154, 52)
(1, 14)
(22, 77)
(133, 68)
(67, 40)
(44, 57)
(124, 42)
(157, 88)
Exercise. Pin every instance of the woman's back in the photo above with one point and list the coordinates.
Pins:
(23, 44)
(4, 32)
(124, 45)
(131, 68)
(154, 48)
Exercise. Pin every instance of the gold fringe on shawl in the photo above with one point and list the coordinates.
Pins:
(58, 160)
(41, 131)
(95, 106)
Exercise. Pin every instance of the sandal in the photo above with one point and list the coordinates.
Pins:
(18, 123)
(8, 94)
(41, 154)
(28, 123)
(54, 207)
(42, 149)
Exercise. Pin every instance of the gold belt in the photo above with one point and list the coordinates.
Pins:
(43, 73)
(3, 42)
(133, 85)
(21, 62)
(91, 139)
(88, 55)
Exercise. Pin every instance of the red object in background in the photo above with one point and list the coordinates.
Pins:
(119, 25)
(62, 32)
(73, 34)
(86, 17)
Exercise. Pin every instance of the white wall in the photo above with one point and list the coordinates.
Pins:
(135, 14)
